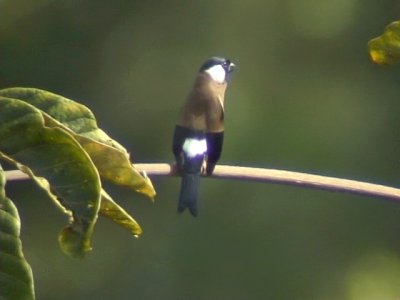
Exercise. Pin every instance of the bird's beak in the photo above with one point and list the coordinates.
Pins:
(232, 67)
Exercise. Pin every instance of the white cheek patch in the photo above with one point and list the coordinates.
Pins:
(193, 147)
(217, 73)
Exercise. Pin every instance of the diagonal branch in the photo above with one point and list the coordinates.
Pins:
(272, 176)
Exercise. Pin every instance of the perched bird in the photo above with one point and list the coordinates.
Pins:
(198, 136)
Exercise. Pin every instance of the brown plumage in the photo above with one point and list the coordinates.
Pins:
(204, 106)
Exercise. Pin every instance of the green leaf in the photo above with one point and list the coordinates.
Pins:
(16, 281)
(111, 159)
(58, 164)
(385, 49)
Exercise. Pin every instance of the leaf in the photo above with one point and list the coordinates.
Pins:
(16, 280)
(111, 159)
(58, 164)
(114, 165)
(385, 49)
(113, 211)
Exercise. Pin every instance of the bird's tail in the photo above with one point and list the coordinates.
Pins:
(188, 197)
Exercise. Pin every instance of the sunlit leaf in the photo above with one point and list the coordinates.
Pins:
(58, 164)
(16, 280)
(113, 211)
(110, 158)
(385, 49)
(114, 165)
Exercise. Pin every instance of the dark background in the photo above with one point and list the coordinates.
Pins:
(305, 98)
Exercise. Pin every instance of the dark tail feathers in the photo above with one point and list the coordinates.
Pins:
(188, 197)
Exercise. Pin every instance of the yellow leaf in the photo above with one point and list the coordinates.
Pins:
(385, 49)
(117, 214)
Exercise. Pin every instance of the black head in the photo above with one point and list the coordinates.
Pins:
(227, 64)
(218, 68)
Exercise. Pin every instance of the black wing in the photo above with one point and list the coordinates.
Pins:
(214, 149)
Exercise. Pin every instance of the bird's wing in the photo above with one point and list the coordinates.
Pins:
(214, 114)
(214, 149)
(215, 132)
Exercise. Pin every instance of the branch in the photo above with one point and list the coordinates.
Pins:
(272, 176)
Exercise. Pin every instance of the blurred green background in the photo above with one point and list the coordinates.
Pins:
(305, 98)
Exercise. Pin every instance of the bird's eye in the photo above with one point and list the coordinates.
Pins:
(226, 63)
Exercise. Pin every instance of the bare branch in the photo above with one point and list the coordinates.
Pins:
(15, 175)
(272, 176)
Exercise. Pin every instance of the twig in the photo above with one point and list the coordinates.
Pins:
(272, 176)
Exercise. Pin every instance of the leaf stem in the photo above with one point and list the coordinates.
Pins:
(271, 176)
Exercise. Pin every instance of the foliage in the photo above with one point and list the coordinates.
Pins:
(385, 49)
(56, 142)
(16, 280)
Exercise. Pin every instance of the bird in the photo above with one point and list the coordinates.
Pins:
(199, 133)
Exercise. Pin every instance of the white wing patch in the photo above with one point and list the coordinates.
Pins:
(217, 73)
(193, 147)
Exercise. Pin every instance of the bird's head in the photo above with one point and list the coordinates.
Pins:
(218, 68)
